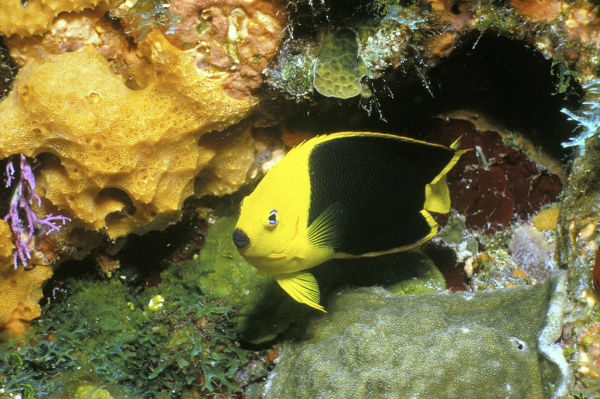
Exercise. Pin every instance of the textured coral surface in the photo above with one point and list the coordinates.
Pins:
(234, 36)
(20, 289)
(375, 345)
(114, 148)
(25, 18)
(117, 123)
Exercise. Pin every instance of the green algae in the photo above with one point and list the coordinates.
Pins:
(103, 333)
(427, 278)
(91, 392)
(224, 270)
(264, 310)
(373, 344)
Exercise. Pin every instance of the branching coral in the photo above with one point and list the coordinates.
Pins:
(23, 220)
(588, 119)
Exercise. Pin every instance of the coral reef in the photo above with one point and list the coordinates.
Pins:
(414, 37)
(72, 31)
(531, 251)
(152, 107)
(577, 243)
(237, 37)
(428, 278)
(130, 171)
(589, 120)
(8, 70)
(22, 200)
(547, 218)
(432, 345)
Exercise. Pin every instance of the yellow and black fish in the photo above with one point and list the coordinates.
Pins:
(343, 195)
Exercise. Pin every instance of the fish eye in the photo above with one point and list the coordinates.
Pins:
(273, 218)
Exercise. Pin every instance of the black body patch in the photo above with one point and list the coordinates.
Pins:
(377, 186)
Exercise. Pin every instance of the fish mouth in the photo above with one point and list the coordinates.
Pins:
(240, 239)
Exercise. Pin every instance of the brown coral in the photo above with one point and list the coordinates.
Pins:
(494, 182)
(237, 36)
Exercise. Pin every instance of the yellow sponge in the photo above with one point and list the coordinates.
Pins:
(36, 16)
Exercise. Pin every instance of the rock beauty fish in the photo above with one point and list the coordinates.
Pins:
(342, 195)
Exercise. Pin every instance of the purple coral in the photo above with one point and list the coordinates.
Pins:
(21, 218)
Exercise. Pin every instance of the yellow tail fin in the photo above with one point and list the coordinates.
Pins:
(437, 195)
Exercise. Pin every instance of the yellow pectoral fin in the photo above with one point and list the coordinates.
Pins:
(303, 288)
(437, 196)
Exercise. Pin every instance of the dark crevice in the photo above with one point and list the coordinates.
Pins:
(8, 70)
(506, 81)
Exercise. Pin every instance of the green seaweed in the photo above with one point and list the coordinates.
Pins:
(103, 333)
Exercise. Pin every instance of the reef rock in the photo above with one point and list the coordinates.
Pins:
(492, 344)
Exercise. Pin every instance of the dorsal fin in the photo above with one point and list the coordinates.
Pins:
(457, 154)
(303, 288)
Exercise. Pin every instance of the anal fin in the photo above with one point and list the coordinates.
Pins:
(303, 288)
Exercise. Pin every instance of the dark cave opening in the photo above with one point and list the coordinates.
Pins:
(504, 80)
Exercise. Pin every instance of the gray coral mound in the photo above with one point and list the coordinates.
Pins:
(374, 345)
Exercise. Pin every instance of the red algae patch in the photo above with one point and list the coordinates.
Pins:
(494, 182)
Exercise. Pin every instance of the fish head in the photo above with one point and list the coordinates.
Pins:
(271, 219)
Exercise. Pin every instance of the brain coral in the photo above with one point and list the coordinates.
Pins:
(374, 345)
(339, 69)
(106, 148)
